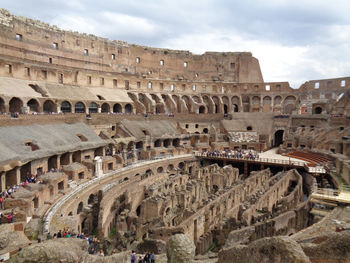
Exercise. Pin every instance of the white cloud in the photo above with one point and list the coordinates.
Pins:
(294, 40)
(107, 24)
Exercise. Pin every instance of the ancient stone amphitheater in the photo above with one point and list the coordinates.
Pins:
(192, 157)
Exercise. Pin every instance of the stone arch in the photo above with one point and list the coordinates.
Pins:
(277, 100)
(105, 108)
(188, 103)
(196, 99)
(201, 109)
(79, 107)
(246, 103)
(226, 104)
(289, 104)
(146, 102)
(256, 100)
(128, 108)
(210, 105)
(2, 105)
(178, 103)
(160, 169)
(117, 108)
(66, 107)
(267, 104)
(33, 105)
(93, 107)
(16, 105)
(49, 106)
(217, 105)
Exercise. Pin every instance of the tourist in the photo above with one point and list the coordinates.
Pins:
(10, 217)
(91, 250)
(140, 260)
(133, 257)
(59, 234)
(1, 216)
(146, 258)
(101, 254)
(153, 257)
(2, 202)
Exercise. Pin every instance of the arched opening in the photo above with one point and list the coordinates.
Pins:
(138, 210)
(235, 107)
(160, 169)
(318, 110)
(215, 188)
(225, 109)
(278, 138)
(139, 145)
(49, 106)
(105, 108)
(249, 128)
(33, 105)
(117, 108)
(79, 107)
(76, 157)
(80, 208)
(93, 107)
(36, 202)
(2, 106)
(157, 143)
(91, 199)
(52, 162)
(201, 109)
(176, 142)
(205, 130)
(128, 108)
(181, 165)
(66, 107)
(167, 143)
(16, 105)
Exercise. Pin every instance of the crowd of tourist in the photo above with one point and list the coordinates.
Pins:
(149, 257)
(95, 247)
(7, 193)
(236, 153)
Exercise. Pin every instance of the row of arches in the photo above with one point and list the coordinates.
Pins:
(171, 103)
(15, 104)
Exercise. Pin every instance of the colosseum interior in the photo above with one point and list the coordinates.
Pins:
(135, 146)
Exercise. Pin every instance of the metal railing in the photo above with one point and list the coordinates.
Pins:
(260, 160)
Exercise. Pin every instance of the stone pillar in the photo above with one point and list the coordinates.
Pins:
(18, 175)
(98, 166)
(2, 181)
(58, 162)
(125, 154)
(134, 158)
(245, 169)
(99, 109)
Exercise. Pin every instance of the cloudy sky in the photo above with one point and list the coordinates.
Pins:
(294, 40)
